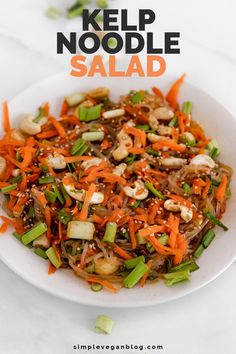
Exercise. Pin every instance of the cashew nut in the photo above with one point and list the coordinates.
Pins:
(172, 162)
(3, 165)
(27, 125)
(57, 162)
(187, 137)
(203, 160)
(17, 134)
(125, 142)
(163, 113)
(94, 161)
(120, 169)
(114, 113)
(15, 172)
(153, 122)
(99, 92)
(107, 267)
(139, 191)
(79, 194)
(164, 130)
(154, 137)
(185, 213)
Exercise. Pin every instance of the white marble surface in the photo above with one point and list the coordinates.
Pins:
(32, 321)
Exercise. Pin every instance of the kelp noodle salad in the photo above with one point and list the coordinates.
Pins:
(122, 193)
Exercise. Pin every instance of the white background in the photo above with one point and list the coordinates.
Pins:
(32, 321)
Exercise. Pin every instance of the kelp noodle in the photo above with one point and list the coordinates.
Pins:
(146, 187)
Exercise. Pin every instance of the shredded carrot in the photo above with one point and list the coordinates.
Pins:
(4, 227)
(121, 252)
(197, 131)
(181, 200)
(58, 126)
(97, 219)
(105, 283)
(151, 230)
(160, 248)
(48, 218)
(47, 134)
(6, 119)
(140, 134)
(157, 92)
(84, 211)
(137, 113)
(40, 196)
(175, 134)
(144, 277)
(173, 223)
(136, 151)
(51, 268)
(23, 184)
(182, 247)
(71, 159)
(170, 143)
(172, 95)
(132, 233)
(106, 144)
(64, 108)
(198, 183)
(220, 192)
(28, 156)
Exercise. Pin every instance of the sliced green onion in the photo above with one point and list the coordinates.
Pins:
(46, 179)
(136, 274)
(88, 114)
(50, 196)
(75, 10)
(90, 269)
(103, 324)
(135, 204)
(16, 179)
(154, 191)
(53, 13)
(214, 182)
(34, 233)
(41, 253)
(208, 238)
(96, 287)
(138, 97)
(186, 188)
(173, 122)
(79, 147)
(64, 216)
(149, 247)
(150, 151)
(130, 159)
(212, 218)
(110, 232)
(53, 258)
(176, 277)
(140, 240)
(190, 265)
(131, 263)
(93, 136)
(75, 99)
(80, 230)
(43, 168)
(8, 189)
(103, 4)
(17, 236)
(163, 239)
(199, 251)
(214, 148)
(40, 115)
(214, 153)
(144, 127)
(31, 213)
(64, 192)
(187, 107)
(58, 194)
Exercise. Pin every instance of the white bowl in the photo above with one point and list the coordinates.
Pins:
(218, 123)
